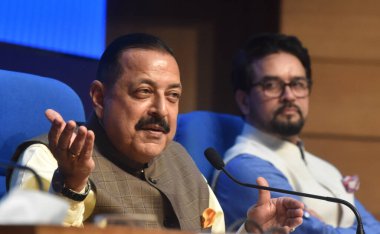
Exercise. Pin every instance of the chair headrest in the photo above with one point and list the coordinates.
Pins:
(198, 130)
(24, 99)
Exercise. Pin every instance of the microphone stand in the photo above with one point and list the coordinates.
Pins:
(217, 162)
(359, 229)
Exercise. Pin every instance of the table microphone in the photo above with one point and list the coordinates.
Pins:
(11, 165)
(217, 162)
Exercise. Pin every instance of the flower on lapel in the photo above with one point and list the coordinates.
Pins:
(351, 183)
(208, 218)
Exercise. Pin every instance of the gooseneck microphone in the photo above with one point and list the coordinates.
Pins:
(11, 165)
(217, 162)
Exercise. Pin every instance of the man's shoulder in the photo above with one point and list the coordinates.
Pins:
(176, 148)
(39, 139)
(247, 147)
(31, 143)
(319, 162)
(176, 154)
(175, 151)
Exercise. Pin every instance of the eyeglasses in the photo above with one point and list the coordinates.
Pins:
(275, 87)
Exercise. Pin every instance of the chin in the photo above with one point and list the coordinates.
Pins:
(152, 150)
(288, 119)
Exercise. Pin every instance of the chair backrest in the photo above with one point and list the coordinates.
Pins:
(199, 130)
(23, 101)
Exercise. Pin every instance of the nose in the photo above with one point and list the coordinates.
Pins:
(288, 94)
(159, 106)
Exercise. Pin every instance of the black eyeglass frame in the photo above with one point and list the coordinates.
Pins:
(283, 84)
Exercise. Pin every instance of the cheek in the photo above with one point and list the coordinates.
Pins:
(265, 108)
(173, 129)
(304, 105)
(120, 117)
(306, 110)
(173, 121)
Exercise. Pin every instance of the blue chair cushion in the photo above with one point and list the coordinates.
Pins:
(24, 99)
(199, 130)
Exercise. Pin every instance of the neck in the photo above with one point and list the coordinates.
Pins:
(293, 139)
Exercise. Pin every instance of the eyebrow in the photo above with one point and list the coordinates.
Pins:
(270, 78)
(150, 82)
(277, 78)
(173, 86)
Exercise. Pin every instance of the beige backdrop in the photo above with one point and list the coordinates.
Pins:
(343, 37)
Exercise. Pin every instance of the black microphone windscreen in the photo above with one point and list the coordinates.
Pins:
(214, 158)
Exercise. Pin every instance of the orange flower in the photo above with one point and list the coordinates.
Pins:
(208, 218)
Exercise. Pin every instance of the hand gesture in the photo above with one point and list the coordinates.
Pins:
(283, 212)
(72, 148)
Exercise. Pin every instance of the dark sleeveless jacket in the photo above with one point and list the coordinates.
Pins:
(170, 187)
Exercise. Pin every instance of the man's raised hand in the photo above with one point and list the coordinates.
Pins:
(72, 147)
(282, 212)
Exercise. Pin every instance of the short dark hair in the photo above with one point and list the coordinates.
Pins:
(260, 46)
(109, 67)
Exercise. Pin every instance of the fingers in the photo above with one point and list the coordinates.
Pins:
(57, 126)
(72, 147)
(292, 221)
(75, 148)
(51, 115)
(65, 137)
(295, 222)
(292, 203)
(292, 224)
(294, 213)
(64, 141)
(55, 131)
(76, 162)
(88, 145)
(78, 145)
(264, 195)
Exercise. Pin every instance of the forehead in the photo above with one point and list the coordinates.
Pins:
(146, 58)
(143, 64)
(282, 65)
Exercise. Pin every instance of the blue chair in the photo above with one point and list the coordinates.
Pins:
(199, 130)
(24, 99)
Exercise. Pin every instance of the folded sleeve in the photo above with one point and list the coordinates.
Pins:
(39, 158)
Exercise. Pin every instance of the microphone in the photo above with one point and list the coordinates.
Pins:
(218, 163)
(30, 207)
(11, 165)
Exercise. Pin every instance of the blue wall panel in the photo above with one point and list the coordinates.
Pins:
(67, 26)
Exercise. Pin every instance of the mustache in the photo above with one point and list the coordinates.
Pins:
(288, 105)
(156, 120)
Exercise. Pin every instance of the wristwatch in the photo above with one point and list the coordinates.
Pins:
(58, 186)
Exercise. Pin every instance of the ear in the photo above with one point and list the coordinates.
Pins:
(242, 100)
(97, 93)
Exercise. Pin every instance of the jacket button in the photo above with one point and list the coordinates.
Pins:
(152, 180)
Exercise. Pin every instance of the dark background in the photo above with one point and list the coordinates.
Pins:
(222, 27)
